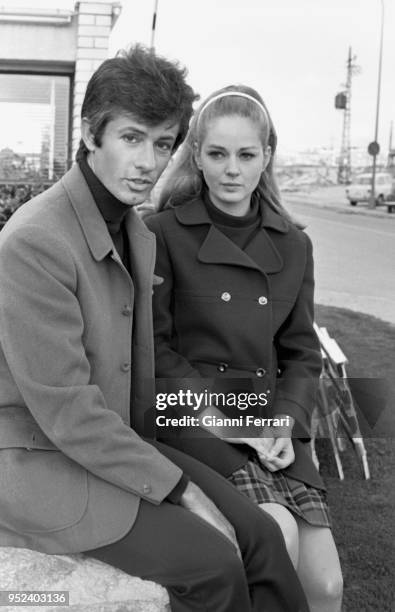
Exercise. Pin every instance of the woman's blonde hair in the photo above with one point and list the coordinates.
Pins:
(185, 181)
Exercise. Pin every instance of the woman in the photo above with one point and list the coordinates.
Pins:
(236, 302)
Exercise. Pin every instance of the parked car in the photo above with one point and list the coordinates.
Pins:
(361, 188)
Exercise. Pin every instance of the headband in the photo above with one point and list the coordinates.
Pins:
(241, 94)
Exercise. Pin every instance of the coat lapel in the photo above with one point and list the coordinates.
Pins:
(263, 252)
(142, 252)
(141, 241)
(89, 216)
(260, 254)
(218, 249)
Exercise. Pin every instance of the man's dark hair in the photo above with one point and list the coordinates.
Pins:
(141, 83)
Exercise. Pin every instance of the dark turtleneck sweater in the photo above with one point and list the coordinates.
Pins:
(238, 229)
(113, 212)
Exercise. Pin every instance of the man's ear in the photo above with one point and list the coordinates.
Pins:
(267, 154)
(86, 134)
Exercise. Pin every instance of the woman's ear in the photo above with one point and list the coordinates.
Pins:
(196, 156)
(267, 154)
(86, 135)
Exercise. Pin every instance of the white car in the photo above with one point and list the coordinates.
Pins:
(361, 188)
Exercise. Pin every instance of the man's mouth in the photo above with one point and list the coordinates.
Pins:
(139, 183)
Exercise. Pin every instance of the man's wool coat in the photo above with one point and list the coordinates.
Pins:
(72, 470)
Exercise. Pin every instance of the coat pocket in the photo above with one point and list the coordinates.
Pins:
(41, 490)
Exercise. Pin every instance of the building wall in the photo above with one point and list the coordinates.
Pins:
(38, 41)
(94, 23)
(73, 43)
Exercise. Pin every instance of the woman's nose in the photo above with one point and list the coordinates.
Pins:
(232, 168)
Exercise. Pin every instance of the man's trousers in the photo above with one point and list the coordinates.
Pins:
(197, 564)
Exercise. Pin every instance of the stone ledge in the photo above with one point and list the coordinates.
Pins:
(93, 586)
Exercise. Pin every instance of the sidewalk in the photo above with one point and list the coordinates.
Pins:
(334, 198)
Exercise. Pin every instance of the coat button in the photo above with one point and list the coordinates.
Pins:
(147, 488)
(226, 297)
(222, 367)
(262, 300)
(127, 310)
(260, 372)
(125, 367)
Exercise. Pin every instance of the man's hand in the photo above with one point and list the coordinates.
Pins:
(196, 501)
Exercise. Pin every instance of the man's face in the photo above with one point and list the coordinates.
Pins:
(131, 157)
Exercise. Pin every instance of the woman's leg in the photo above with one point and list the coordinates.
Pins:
(288, 526)
(319, 568)
(272, 580)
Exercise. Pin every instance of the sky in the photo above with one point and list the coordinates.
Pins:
(294, 52)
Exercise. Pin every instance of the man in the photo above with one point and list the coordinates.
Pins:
(76, 372)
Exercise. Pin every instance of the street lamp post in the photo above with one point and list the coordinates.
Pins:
(376, 149)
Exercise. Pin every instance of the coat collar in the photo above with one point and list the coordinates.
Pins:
(260, 254)
(195, 213)
(91, 220)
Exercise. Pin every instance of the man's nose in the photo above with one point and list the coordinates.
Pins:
(146, 159)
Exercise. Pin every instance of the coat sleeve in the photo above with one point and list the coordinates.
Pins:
(41, 334)
(299, 356)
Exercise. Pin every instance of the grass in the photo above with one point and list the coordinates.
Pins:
(363, 511)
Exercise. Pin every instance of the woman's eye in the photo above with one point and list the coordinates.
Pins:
(247, 156)
(215, 154)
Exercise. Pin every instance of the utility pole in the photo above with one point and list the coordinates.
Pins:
(153, 29)
(343, 102)
(374, 147)
(391, 152)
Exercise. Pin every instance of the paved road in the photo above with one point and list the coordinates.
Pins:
(354, 258)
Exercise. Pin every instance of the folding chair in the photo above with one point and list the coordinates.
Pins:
(336, 409)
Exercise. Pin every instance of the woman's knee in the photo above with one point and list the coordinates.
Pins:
(319, 568)
(288, 526)
(331, 585)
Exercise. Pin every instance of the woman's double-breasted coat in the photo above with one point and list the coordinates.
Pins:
(223, 312)
(72, 469)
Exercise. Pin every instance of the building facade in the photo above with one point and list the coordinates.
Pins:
(46, 60)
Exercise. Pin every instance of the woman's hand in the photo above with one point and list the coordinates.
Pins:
(281, 453)
(262, 444)
(280, 456)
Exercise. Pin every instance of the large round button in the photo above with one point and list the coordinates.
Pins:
(262, 300)
(226, 297)
(222, 367)
(127, 310)
(125, 367)
(260, 372)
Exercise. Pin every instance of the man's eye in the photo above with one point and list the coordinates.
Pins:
(165, 147)
(130, 138)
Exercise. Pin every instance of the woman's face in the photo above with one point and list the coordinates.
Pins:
(232, 158)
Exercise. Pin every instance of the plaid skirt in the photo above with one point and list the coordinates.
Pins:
(262, 486)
